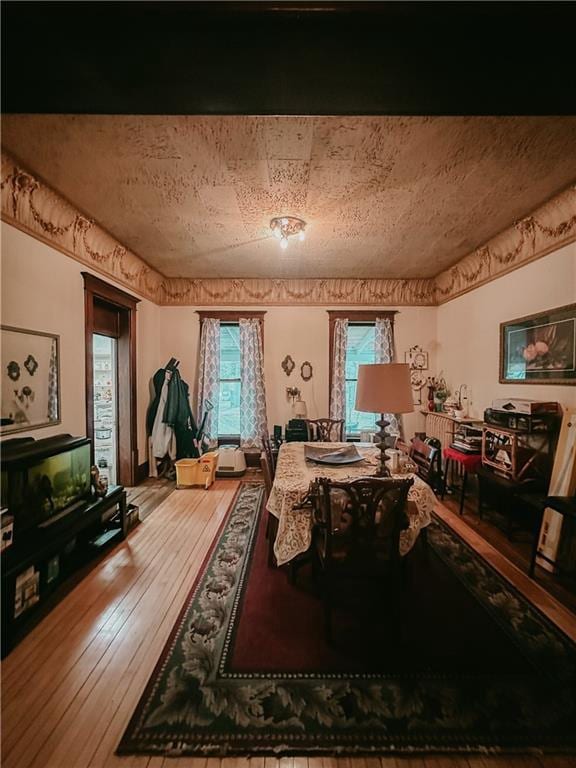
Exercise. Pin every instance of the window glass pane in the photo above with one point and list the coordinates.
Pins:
(356, 421)
(229, 352)
(229, 399)
(229, 408)
(360, 350)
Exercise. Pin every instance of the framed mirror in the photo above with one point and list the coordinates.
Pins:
(306, 370)
(30, 380)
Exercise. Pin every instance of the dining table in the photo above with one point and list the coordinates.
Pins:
(294, 473)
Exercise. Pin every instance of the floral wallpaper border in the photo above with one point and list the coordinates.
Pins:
(548, 228)
(33, 207)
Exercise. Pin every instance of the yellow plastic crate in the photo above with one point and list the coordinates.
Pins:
(202, 471)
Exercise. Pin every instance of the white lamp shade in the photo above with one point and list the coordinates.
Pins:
(299, 409)
(384, 388)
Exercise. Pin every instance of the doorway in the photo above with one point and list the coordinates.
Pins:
(105, 406)
(110, 325)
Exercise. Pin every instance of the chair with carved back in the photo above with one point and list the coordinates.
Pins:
(425, 457)
(270, 455)
(325, 430)
(401, 446)
(356, 537)
(266, 473)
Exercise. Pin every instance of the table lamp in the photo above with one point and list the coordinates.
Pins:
(384, 388)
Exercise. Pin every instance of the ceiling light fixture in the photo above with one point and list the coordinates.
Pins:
(284, 227)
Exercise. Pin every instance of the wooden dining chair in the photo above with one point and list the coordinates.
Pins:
(272, 521)
(270, 456)
(402, 446)
(325, 430)
(425, 457)
(265, 467)
(356, 537)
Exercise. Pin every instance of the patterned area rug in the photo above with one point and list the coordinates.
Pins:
(520, 697)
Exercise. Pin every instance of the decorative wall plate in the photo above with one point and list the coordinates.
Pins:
(417, 379)
(306, 370)
(288, 365)
(13, 370)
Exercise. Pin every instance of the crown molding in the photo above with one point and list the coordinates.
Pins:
(546, 229)
(30, 205)
(35, 208)
(305, 292)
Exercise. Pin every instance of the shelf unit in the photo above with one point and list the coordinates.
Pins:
(41, 560)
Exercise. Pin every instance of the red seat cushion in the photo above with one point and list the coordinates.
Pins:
(470, 461)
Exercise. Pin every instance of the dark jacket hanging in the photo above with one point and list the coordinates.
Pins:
(178, 414)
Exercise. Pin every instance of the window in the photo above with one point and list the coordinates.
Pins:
(229, 397)
(221, 381)
(360, 349)
(360, 339)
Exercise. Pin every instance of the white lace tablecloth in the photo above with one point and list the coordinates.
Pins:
(292, 480)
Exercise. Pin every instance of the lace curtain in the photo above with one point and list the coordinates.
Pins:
(338, 391)
(53, 383)
(253, 420)
(385, 353)
(209, 374)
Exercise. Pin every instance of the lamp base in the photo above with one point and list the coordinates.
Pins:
(383, 470)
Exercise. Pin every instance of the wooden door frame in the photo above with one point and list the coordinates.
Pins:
(96, 289)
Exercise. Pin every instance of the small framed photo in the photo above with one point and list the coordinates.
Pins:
(540, 348)
(416, 358)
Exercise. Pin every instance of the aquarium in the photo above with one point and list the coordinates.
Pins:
(47, 486)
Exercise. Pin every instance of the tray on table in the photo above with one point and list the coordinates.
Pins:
(346, 455)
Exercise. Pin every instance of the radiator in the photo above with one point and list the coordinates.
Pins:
(441, 426)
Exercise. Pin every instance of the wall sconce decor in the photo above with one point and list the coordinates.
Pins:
(306, 370)
(292, 393)
(288, 365)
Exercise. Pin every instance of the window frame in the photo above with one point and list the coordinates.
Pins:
(355, 317)
(232, 317)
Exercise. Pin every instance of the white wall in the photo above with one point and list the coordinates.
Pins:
(43, 290)
(303, 333)
(469, 327)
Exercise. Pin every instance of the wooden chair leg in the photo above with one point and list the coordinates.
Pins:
(271, 531)
(463, 491)
(480, 498)
(537, 527)
(446, 468)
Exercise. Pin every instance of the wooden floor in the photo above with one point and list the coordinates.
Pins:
(72, 684)
(517, 549)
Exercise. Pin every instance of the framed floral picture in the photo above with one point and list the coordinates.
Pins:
(30, 380)
(540, 348)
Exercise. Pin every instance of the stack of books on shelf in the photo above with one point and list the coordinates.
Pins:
(468, 439)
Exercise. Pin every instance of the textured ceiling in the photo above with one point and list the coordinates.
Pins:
(383, 196)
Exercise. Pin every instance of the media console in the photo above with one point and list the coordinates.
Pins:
(58, 525)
